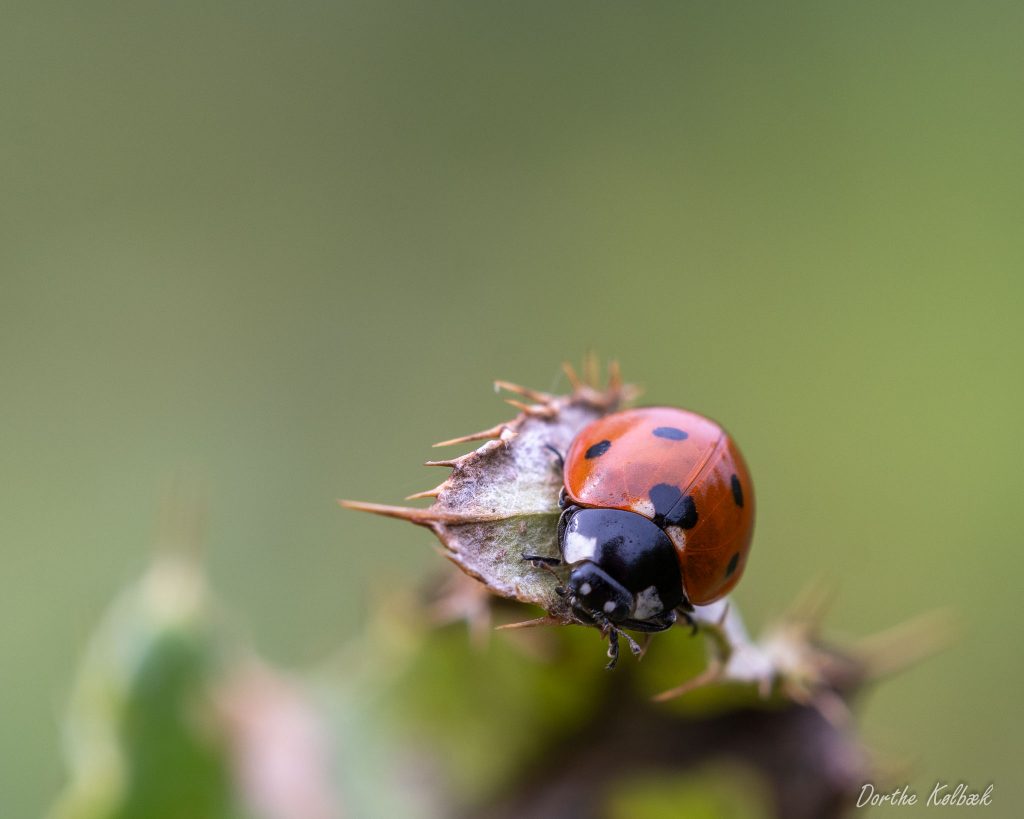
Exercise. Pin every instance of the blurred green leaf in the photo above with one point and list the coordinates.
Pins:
(142, 738)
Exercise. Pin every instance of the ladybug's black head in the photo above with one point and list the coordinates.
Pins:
(622, 566)
(594, 592)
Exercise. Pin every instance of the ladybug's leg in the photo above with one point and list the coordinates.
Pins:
(613, 632)
(541, 560)
(689, 621)
(548, 564)
(634, 646)
(558, 456)
(613, 649)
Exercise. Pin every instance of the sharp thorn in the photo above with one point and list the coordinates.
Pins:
(906, 644)
(547, 620)
(533, 395)
(519, 405)
(421, 516)
(709, 675)
(591, 369)
(812, 604)
(493, 432)
(571, 374)
(427, 493)
(614, 376)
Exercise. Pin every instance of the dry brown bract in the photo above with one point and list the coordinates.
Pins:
(501, 499)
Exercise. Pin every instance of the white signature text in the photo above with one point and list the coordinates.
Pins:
(941, 796)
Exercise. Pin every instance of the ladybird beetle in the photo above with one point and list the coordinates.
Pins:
(657, 516)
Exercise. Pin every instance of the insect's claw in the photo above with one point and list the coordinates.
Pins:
(613, 649)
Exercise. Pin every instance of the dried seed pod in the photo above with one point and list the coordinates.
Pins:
(501, 499)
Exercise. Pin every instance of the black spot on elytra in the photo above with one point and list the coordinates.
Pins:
(734, 561)
(684, 513)
(672, 507)
(737, 490)
(671, 433)
(598, 449)
(664, 496)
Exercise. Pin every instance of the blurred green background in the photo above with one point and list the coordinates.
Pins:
(284, 247)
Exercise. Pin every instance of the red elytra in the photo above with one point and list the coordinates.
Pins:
(616, 462)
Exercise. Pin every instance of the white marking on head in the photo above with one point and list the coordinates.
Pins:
(609, 607)
(648, 604)
(577, 547)
(585, 589)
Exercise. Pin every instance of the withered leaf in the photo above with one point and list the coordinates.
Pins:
(501, 500)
